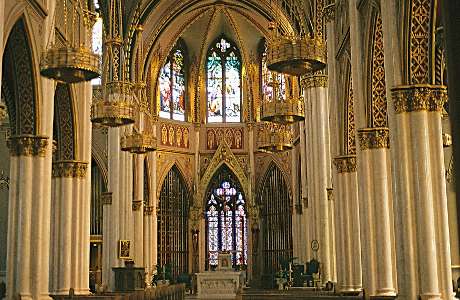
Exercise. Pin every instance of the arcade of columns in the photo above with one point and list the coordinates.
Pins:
(385, 228)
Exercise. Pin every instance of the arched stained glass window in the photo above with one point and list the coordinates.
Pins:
(226, 222)
(172, 85)
(223, 82)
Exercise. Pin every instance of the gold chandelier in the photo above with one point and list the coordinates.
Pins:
(274, 137)
(116, 105)
(141, 140)
(74, 61)
(279, 110)
(293, 54)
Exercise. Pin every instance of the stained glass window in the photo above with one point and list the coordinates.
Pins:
(172, 86)
(223, 82)
(227, 225)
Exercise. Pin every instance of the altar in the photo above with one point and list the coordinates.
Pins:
(223, 283)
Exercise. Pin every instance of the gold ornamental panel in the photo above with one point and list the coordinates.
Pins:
(346, 163)
(69, 64)
(314, 81)
(27, 145)
(106, 198)
(148, 210)
(374, 138)
(296, 56)
(283, 112)
(70, 169)
(419, 97)
(138, 143)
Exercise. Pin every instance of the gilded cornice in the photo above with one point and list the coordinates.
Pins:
(314, 81)
(419, 97)
(346, 163)
(329, 12)
(374, 138)
(106, 198)
(137, 204)
(70, 169)
(148, 210)
(27, 145)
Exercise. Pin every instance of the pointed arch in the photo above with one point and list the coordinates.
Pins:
(275, 203)
(173, 214)
(223, 155)
(20, 80)
(226, 219)
(181, 170)
(349, 117)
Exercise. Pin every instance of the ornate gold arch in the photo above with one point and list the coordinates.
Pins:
(223, 155)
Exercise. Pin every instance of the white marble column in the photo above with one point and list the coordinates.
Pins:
(376, 215)
(28, 217)
(66, 232)
(119, 213)
(138, 212)
(319, 169)
(304, 255)
(419, 140)
(348, 244)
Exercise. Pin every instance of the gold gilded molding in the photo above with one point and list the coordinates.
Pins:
(69, 168)
(446, 140)
(314, 81)
(329, 13)
(346, 163)
(419, 97)
(137, 204)
(27, 145)
(197, 126)
(374, 138)
(148, 210)
(106, 198)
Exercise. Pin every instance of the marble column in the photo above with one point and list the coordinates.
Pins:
(376, 207)
(28, 217)
(120, 183)
(422, 226)
(138, 212)
(305, 220)
(319, 169)
(66, 231)
(150, 238)
(347, 232)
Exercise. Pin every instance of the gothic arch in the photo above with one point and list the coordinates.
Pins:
(173, 163)
(20, 80)
(223, 155)
(266, 173)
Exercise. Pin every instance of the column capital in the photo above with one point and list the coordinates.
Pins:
(330, 194)
(346, 163)
(27, 145)
(107, 198)
(329, 13)
(314, 81)
(197, 126)
(148, 210)
(250, 126)
(137, 204)
(418, 97)
(69, 168)
(374, 138)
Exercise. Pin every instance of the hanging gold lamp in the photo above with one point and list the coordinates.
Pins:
(141, 140)
(283, 109)
(274, 137)
(116, 107)
(74, 61)
(300, 54)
